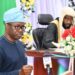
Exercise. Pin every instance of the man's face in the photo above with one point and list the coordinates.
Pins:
(15, 30)
(67, 21)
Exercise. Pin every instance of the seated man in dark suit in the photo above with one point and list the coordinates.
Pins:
(39, 33)
(50, 34)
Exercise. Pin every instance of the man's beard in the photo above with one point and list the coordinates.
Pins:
(67, 26)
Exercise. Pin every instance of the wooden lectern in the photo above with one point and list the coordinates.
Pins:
(38, 62)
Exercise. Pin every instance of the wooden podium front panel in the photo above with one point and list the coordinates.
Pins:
(39, 67)
(38, 63)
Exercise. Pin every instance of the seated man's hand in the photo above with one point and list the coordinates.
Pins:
(26, 70)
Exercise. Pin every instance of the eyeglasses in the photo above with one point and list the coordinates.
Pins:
(20, 27)
(17, 27)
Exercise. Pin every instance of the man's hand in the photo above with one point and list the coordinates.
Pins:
(26, 70)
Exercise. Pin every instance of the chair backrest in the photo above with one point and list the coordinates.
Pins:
(43, 19)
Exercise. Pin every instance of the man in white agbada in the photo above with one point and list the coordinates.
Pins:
(65, 21)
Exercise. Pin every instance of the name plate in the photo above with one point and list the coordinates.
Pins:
(47, 61)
